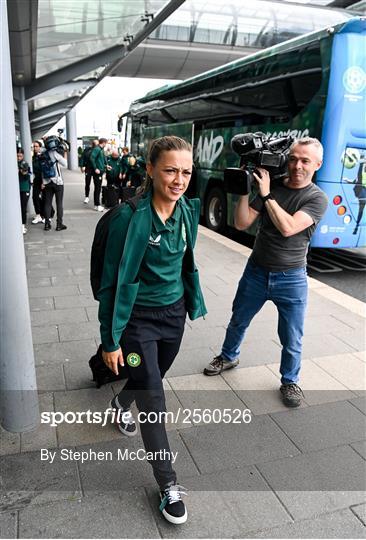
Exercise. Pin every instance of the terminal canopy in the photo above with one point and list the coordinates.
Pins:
(61, 50)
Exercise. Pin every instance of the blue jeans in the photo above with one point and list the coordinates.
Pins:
(288, 291)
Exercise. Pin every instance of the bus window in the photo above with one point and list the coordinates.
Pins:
(305, 87)
(258, 93)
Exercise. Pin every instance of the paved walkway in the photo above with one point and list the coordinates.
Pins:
(286, 473)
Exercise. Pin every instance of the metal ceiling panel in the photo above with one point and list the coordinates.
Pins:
(76, 41)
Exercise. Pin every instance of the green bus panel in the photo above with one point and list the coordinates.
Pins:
(181, 129)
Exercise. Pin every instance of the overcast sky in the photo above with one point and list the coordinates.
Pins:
(97, 113)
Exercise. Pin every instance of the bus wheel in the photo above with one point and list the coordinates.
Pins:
(215, 210)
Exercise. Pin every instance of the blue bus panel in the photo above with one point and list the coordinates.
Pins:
(343, 174)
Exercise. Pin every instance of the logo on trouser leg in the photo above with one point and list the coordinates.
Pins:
(133, 359)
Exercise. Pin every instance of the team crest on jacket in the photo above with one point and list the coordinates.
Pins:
(133, 359)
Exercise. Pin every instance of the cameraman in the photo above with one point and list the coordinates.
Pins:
(276, 269)
(53, 183)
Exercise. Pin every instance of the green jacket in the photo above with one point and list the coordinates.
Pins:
(24, 179)
(113, 174)
(128, 238)
(98, 159)
(124, 162)
(135, 173)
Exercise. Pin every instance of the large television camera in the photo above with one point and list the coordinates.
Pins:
(57, 143)
(256, 150)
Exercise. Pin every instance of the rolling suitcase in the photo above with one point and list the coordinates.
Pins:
(111, 196)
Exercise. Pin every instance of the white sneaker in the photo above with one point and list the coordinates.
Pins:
(86, 200)
(100, 209)
(37, 219)
(24, 229)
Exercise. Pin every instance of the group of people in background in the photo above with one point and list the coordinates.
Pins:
(123, 172)
(116, 173)
(46, 181)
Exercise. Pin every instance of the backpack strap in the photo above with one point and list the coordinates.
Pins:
(133, 202)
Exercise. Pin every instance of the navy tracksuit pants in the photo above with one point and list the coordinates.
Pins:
(152, 339)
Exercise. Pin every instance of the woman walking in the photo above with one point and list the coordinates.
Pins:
(149, 283)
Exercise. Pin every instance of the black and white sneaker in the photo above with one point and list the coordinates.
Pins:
(219, 364)
(172, 507)
(291, 395)
(123, 418)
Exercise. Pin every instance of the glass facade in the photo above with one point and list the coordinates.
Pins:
(59, 94)
(318, 3)
(70, 31)
(253, 23)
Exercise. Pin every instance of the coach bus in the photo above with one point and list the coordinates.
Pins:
(312, 85)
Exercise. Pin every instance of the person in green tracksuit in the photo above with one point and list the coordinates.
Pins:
(24, 185)
(98, 163)
(124, 161)
(113, 169)
(149, 284)
(111, 193)
(135, 171)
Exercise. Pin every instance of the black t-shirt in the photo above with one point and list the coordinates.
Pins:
(274, 251)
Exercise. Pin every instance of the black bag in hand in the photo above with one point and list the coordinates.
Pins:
(101, 373)
(111, 196)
